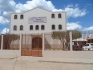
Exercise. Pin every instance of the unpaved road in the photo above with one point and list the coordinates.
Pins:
(33, 63)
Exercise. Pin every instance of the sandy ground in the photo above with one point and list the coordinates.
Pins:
(40, 63)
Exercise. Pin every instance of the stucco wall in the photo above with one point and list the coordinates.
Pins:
(68, 54)
(51, 53)
(51, 43)
(10, 53)
(37, 13)
(27, 41)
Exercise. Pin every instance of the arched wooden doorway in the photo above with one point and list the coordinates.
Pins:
(37, 46)
(36, 43)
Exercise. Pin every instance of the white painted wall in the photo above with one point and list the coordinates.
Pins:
(68, 54)
(10, 53)
(37, 12)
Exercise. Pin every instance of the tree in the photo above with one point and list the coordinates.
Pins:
(76, 34)
(8, 38)
(60, 36)
(64, 35)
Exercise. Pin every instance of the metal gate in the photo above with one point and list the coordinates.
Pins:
(35, 49)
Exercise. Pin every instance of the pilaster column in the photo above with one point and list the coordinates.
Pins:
(20, 42)
(1, 42)
(43, 44)
(70, 34)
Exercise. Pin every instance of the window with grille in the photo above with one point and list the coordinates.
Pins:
(53, 27)
(15, 16)
(31, 27)
(15, 27)
(21, 27)
(53, 16)
(60, 26)
(37, 27)
(59, 15)
(21, 16)
(42, 27)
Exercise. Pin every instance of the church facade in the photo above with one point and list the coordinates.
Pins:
(37, 20)
(35, 27)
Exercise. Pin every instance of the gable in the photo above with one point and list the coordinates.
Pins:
(38, 9)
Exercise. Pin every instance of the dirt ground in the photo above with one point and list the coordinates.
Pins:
(39, 63)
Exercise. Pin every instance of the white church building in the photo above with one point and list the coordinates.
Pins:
(37, 20)
(34, 27)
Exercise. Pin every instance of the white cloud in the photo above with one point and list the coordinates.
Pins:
(6, 15)
(73, 26)
(3, 20)
(8, 6)
(75, 12)
(71, 11)
(89, 28)
(5, 30)
(77, 26)
(35, 3)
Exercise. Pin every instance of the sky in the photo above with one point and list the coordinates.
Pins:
(79, 12)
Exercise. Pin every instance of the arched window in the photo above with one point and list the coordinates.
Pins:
(15, 27)
(21, 16)
(60, 26)
(42, 27)
(53, 27)
(31, 27)
(59, 15)
(15, 16)
(53, 16)
(37, 27)
(21, 27)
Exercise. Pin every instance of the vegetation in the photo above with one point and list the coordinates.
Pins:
(64, 36)
(76, 34)
(8, 39)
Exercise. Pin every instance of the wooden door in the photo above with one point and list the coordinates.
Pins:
(37, 46)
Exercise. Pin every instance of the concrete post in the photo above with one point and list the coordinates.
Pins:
(20, 43)
(43, 44)
(1, 42)
(70, 41)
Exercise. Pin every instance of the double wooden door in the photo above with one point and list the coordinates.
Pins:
(36, 49)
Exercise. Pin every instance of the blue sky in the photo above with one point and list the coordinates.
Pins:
(79, 12)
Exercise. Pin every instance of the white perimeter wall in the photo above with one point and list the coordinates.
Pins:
(49, 53)
(68, 54)
(10, 53)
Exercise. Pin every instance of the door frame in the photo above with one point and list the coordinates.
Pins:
(36, 50)
(25, 52)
